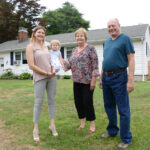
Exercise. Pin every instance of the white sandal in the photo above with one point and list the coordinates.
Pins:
(36, 136)
(53, 130)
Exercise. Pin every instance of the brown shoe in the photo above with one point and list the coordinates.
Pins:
(91, 131)
(80, 128)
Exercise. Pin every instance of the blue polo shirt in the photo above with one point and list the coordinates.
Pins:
(115, 53)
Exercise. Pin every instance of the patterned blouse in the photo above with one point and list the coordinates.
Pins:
(83, 65)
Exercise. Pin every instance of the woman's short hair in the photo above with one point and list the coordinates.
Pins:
(33, 39)
(83, 31)
(55, 42)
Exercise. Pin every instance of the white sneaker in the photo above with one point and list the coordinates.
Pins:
(105, 135)
(123, 145)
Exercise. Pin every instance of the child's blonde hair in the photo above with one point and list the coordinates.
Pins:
(56, 42)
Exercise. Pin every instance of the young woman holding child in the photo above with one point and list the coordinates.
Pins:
(44, 78)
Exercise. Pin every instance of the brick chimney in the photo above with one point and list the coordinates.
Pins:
(22, 34)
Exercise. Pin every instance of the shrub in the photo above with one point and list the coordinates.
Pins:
(58, 76)
(8, 75)
(25, 75)
(66, 77)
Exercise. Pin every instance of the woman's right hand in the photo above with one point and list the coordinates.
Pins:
(51, 74)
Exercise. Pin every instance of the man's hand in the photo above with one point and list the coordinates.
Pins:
(130, 85)
(100, 84)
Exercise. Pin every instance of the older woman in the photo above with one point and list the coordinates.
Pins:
(84, 66)
(44, 78)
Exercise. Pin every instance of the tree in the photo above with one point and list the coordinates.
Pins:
(64, 20)
(18, 13)
(7, 22)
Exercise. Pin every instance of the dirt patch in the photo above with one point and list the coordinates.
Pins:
(147, 112)
(5, 138)
(26, 111)
(8, 140)
(30, 147)
(28, 94)
(10, 93)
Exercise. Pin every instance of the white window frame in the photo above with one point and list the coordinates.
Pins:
(68, 49)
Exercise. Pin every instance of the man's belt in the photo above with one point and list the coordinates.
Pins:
(116, 71)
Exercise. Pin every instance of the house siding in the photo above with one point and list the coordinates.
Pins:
(140, 60)
(139, 34)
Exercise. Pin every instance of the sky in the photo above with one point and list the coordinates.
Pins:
(98, 12)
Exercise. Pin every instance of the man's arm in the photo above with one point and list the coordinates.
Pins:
(131, 69)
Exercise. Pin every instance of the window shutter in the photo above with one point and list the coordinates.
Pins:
(62, 52)
(11, 58)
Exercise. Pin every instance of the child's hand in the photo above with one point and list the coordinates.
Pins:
(63, 67)
(53, 70)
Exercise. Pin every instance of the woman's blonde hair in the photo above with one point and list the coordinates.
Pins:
(83, 31)
(56, 42)
(33, 39)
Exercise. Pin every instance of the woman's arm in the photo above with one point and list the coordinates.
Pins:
(32, 66)
(95, 70)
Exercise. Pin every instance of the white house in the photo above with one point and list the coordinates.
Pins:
(12, 53)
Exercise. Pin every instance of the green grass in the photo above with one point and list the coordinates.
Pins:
(16, 114)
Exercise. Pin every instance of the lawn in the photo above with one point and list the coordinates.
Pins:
(16, 113)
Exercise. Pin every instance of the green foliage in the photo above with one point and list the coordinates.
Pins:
(18, 13)
(66, 77)
(58, 76)
(8, 75)
(64, 20)
(25, 75)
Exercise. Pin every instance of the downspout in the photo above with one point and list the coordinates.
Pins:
(142, 40)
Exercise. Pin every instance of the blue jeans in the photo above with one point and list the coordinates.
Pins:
(115, 95)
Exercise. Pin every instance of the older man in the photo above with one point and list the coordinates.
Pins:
(116, 82)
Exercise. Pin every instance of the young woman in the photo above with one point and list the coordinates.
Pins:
(44, 78)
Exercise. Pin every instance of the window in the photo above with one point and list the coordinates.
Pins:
(69, 52)
(24, 60)
(18, 56)
(1, 62)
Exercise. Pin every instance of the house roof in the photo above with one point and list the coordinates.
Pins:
(66, 39)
